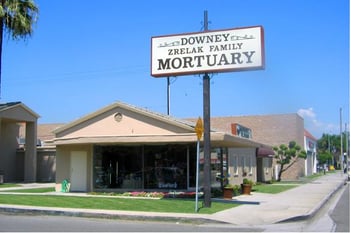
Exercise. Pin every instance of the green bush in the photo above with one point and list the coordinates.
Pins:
(247, 181)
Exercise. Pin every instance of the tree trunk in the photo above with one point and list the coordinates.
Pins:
(280, 173)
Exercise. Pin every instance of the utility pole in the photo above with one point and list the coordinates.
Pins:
(207, 133)
(347, 147)
(341, 148)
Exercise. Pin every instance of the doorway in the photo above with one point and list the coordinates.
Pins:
(79, 171)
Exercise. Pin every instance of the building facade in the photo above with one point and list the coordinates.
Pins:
(272, 130)
(310, 147)
(15, 167)
(122, 147)
(125, 147)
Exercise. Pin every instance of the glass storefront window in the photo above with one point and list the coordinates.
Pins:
(219, 167)
(162, 167)
(144, 167)
(118, 167)
(165, 167)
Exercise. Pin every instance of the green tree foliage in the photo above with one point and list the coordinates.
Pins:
(329, 143)
(288, 155)
(329, 148)
(17, 18)
(325, 158)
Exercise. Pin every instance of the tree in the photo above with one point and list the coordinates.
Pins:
(17, 18)
(324, 158)
(287, 155)
(331, 144)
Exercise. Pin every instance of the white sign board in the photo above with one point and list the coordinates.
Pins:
(208, 52)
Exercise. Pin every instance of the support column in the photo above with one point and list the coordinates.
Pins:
(30, 155)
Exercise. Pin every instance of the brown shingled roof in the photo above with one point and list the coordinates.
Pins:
(44, 131)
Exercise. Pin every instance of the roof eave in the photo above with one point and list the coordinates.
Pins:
(163, 118)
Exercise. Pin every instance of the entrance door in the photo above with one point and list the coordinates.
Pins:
(79, 171)
(260, 170)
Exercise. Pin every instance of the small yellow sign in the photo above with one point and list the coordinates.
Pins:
(199, 128)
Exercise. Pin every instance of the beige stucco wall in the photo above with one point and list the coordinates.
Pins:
(10, 164)
(22, 166)
(131, 124)
(63, 163)
(237, 156)
(264, 167)
(46, 164)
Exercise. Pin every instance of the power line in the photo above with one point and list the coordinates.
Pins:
(67, 76)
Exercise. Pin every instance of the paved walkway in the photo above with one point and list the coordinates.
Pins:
(295, 204)
(298, 203)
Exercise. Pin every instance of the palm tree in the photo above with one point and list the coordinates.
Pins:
(17, 18)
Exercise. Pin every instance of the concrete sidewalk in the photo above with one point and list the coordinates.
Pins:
(298, 203)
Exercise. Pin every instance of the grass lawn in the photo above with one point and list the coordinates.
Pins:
(282, 186)
(273, 188)
(132, 204)
(108, 203)
(9, 185)
(31, 190)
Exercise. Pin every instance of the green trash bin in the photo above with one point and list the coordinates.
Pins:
(65, 186)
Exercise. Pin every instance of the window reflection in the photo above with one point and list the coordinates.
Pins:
(144, 167)
(155, 167)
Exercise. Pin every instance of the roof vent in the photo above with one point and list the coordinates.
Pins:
(118, 116)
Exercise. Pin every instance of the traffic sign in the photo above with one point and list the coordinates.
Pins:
(199, 128)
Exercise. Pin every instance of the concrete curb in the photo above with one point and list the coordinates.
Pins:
(91, 213)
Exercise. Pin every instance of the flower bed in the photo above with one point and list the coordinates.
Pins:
(159, 195)
(144, 194)
(182, 194)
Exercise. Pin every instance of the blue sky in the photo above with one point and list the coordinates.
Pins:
(85, 55)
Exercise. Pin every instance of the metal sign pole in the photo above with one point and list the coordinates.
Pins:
(197, 176)
(199, 129)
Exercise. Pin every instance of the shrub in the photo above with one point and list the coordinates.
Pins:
(247, 181)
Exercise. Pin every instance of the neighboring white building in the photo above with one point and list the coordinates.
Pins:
(311, 151)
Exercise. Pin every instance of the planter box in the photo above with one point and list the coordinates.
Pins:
(246, 189)
(228, 193)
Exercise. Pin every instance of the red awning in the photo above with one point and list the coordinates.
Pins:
(264, 152)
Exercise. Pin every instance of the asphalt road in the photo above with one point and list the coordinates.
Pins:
(341, 212)
(27, 223)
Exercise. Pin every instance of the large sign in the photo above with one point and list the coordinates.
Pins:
(208, 52)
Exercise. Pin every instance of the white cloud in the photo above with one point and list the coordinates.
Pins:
(307, 113)
(314, 125)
